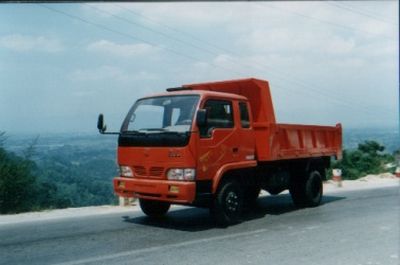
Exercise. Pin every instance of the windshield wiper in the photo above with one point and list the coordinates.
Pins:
(133, 132)
(173, 132)
(154, 129)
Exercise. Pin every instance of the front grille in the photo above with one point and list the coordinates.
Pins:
(156, 171)
(148, 172)
(139, 170)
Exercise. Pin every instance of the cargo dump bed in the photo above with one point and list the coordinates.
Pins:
(275, 141)
(289, 141)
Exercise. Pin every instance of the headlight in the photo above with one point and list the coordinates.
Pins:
(126, 171)
(185, 174)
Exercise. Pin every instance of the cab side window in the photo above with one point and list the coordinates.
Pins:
(219, 115)
(244, 115)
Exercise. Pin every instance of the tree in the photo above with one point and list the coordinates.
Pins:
(17, 183)
(368, 158)
(371, 147)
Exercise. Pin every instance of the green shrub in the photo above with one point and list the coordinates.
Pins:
(368, 158)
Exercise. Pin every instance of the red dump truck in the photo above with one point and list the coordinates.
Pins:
(217, 145)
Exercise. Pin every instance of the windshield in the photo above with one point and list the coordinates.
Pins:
(161, 114)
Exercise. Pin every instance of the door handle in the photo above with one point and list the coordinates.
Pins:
(235, 149)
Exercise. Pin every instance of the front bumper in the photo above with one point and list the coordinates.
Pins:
(161, 190)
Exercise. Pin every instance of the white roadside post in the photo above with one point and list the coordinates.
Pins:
(337, 176)
(124, 201)
(397, 172)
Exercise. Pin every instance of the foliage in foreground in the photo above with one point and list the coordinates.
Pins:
(20, 188)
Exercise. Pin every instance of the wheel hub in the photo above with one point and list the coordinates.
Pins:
(232, 203)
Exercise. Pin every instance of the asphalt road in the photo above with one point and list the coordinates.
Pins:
(359, 227)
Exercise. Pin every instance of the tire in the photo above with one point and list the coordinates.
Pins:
(154, 209)
(228, 204)
(307, 192)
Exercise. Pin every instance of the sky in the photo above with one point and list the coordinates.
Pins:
(327, 62)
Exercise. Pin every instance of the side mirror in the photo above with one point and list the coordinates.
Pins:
(100, 124)
(201, 118)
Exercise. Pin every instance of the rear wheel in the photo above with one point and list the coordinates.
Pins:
(228, 204)
(154, 209)
(307, 192)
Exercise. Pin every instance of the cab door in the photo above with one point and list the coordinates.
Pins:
(245, 132)
(218, 140)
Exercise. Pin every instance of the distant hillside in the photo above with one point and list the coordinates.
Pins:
(388, 137)
(78, 168)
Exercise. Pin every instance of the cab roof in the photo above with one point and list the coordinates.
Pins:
(201, 93)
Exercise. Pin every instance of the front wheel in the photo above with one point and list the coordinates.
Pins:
(154, 209)
(307, 192)
(228, 204)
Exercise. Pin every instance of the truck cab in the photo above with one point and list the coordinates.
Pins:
(166, 154)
